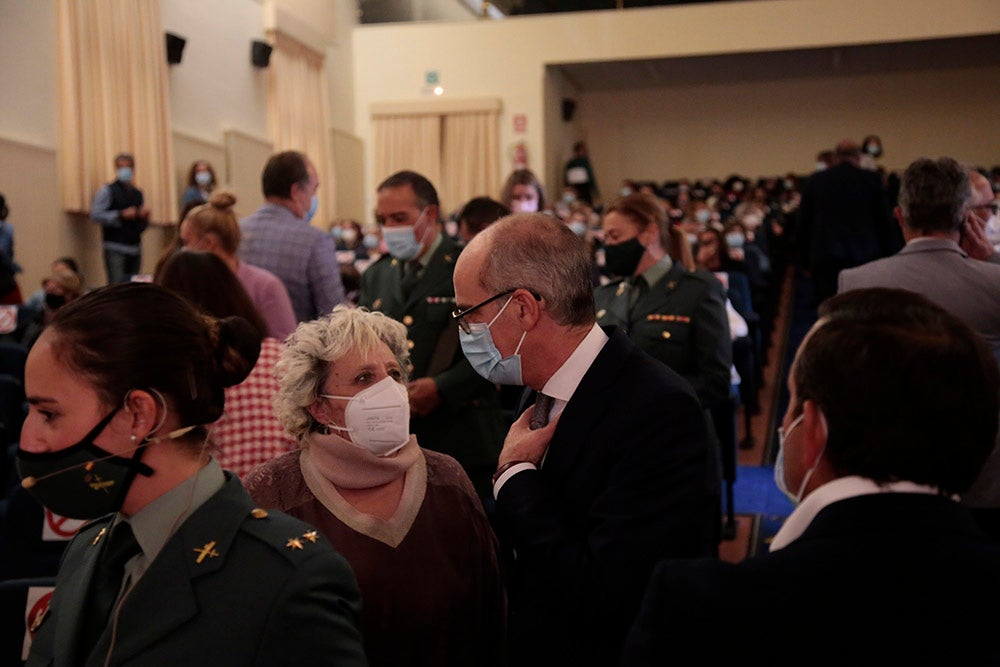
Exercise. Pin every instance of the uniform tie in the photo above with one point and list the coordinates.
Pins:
(107, 583)
(636, 289)
(540, 413)
(411, 275)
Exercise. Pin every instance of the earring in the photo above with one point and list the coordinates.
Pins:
(133, 438)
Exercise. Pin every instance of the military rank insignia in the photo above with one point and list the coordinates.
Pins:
(433, 300)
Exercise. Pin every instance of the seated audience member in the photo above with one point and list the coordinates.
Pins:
(349, 239)
(477, 214)
(523, 192)
(407, 519)
(892, 412)
(58, 289)
(200, 184)
(68, 264)
(213, 227)
(176, 566)
(248, 432)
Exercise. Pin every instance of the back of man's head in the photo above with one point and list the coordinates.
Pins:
(536, 252)
(423, 189)
(281, 172)
(909, 392)
(933, 195)
(848, 150)
(480, 212)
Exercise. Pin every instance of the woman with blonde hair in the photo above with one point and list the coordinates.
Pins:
(407, 519)
(213, 227)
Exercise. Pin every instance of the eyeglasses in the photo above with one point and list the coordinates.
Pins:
(993, 207)
(459, 315)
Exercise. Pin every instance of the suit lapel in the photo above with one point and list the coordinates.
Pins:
(164, 598)
(587, 406)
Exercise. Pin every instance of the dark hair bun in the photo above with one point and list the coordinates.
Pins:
(222, 199)
(237, 346)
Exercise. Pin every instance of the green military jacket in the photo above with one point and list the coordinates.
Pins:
(680, 320)
(469, 424)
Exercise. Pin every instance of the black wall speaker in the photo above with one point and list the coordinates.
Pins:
(260, 53)
(568, 109)
(175, 48)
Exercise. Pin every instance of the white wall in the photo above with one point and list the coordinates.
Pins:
(28, 72)
(215, 88)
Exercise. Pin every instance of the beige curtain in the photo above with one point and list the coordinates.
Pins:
(113, 98)
(408, 142)
(470, 155)
(454, 143)
(297, 113)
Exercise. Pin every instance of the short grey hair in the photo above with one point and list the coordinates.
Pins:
(536, 252)
(933, 195)
(314, 347)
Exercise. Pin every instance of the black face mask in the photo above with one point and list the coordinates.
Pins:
(96, 482)
(622, 258)
(54, 301)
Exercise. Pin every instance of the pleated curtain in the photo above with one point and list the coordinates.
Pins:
(112, 98)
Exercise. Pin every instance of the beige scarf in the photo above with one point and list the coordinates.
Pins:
(329, 461)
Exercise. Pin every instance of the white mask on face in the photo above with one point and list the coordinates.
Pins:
(377, 418)
(779, 464)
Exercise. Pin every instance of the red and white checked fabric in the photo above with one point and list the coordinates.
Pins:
(248, 433)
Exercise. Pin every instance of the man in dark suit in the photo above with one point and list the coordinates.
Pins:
(843, 220)
(454, 411)
(892, 411)
(614, 482)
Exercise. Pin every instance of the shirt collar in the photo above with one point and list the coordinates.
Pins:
(425, 258)
(156, 522)
(565, 380)
(838, 489)
(656, 272)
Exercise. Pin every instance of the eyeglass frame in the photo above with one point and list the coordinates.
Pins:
(459, 315)
(993, 207)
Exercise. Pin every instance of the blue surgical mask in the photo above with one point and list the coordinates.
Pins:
(578, 228)
(703, 215)
(402, 241)
(485, 358)
(312, 209)
(124, 174)
(202, 178)
(735, 240)
(370, 241)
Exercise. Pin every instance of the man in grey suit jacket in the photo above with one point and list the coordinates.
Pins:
(935, 204)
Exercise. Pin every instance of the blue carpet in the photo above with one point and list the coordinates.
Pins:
(755, 493)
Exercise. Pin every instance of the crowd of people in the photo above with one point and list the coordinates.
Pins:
(497, 435)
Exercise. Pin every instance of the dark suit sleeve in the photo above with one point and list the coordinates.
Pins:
(314, 620)
(715, 347)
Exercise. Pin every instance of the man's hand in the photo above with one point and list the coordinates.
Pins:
(974, 241)
(523, 444)
(424, 397)
(129, 213)
(143, 212)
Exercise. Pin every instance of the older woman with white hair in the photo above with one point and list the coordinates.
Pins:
(407, 519)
